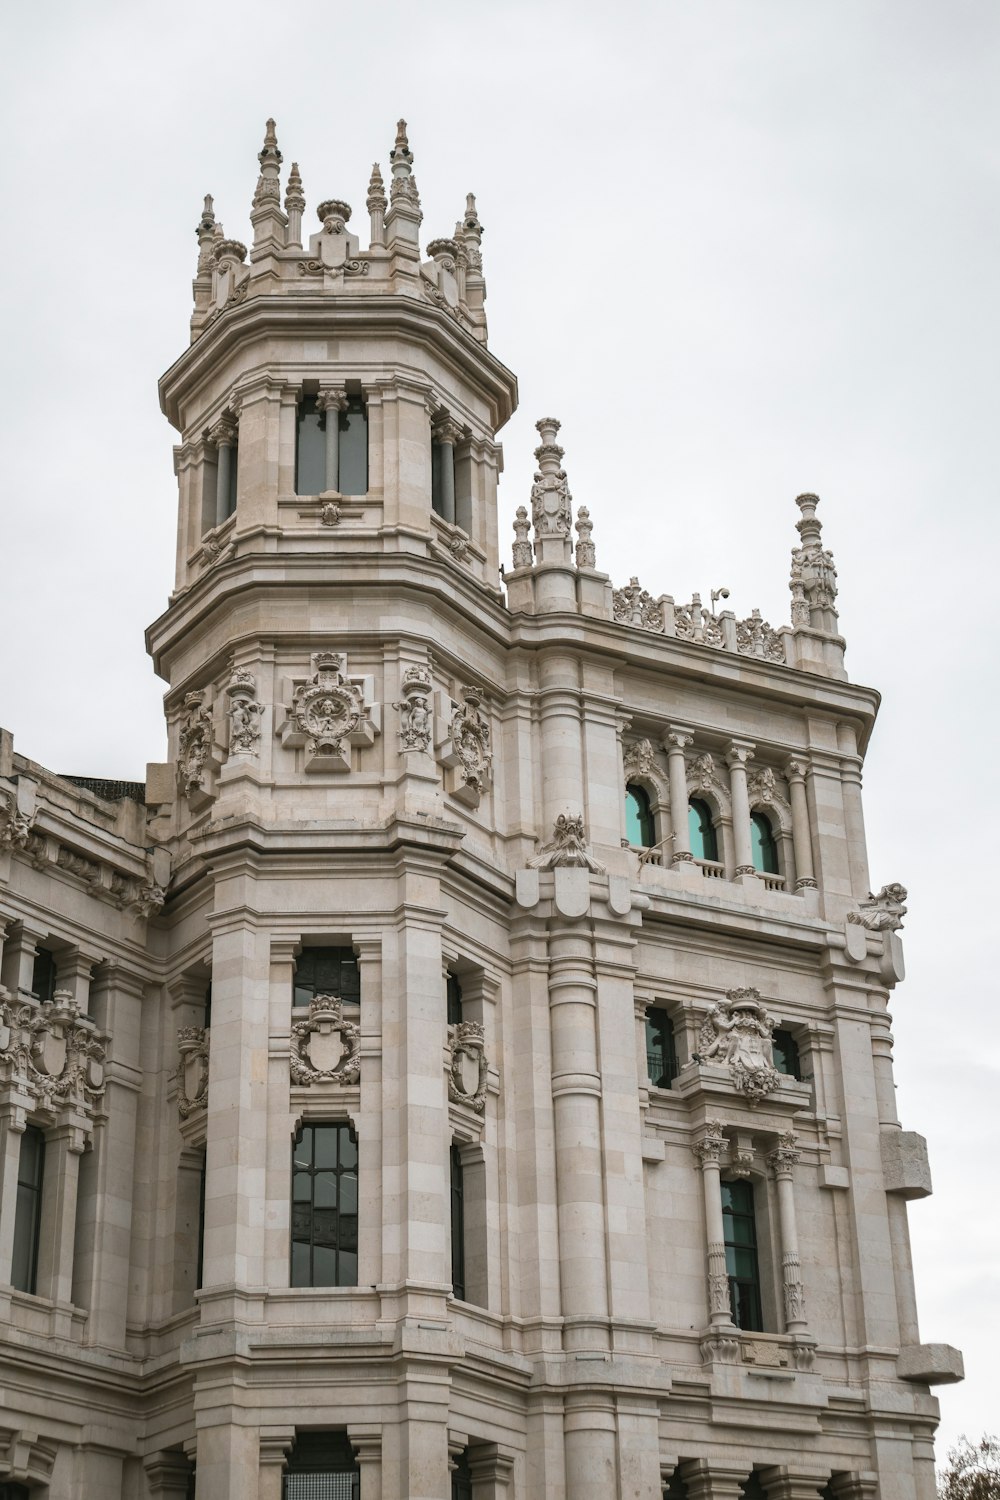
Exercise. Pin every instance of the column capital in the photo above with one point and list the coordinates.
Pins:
(677, 738)
(332, 398)
(275, 1443)
(784, 1482)
(739, 752)
(711, 1481)
(223, 434)
(445, 430)
(785, 1155)
(796, 768)
(712, 1146)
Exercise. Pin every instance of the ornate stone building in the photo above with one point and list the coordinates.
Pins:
(464, 1068)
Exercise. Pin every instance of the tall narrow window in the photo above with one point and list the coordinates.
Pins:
(28, 1214)
(785, 1051)
(741, 1254)
(322, 1466)
(310, 448)
(457, 1224)
(661, 1049)
(437, 477)
(325, 1206)
(454, 999)
(327, 971)
(461, 1477)
(704, 844)
(762, 844)
(208, 1006)
(640, 829)
(229, 498)
(43, 975)
(353, 447)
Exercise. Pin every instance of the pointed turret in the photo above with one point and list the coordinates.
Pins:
(376, 204)
(405, 216)
(469, 232)
(295, 204)
(269, 223)
(202, 284)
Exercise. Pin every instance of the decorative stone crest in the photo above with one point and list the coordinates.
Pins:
(471, 752)
(330, 514)
(884, 912)
(53, 1053)
(568, 848)
(192, 1076)
(467, 1071)
(586, 552)
(415, 720)
(634, 605)
(328, 713)
(755, 637)
(764, 790)
(326, 1048)
(195, 746)
(737, 1033)
(637, 758)
(523, 553)
(15, 826)
(244, 713)
(693, 622)
(703, 775)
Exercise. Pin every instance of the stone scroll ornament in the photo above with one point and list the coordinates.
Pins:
(53, 1053)
(192, 1075)
(328, 714)
(467, 1071)
(244, 713)
(737, 1034)
(415, 719)
(634, 605)
(326, 1048)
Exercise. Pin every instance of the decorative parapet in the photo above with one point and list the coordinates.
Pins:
(635, 606)
(192, 1076)
(326, 1048)
(53, 1054)
(467, 1068)
(737, 1033)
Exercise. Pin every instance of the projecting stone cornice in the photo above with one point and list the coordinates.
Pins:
(320, 317)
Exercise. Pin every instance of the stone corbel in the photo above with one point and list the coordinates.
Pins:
(25, 1458)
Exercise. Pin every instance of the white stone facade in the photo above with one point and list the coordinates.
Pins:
(376, 747)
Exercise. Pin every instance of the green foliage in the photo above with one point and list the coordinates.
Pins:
(972, 1471)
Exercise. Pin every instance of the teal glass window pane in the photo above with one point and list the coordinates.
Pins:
(785, 1050)
(310, 449)
(704, 844)
(639, 827)
(763, 848)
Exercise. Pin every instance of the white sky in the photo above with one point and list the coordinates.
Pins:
(741, 249)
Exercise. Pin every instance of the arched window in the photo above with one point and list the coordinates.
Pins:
(704, 844)
(763, 845)
(640, 828)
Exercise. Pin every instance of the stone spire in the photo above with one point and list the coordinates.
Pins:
(404, 218)
(551, 501)
(813, 583)
(202, 284)
(269, 223)
(469, 234)
(295, 203)
(376, 204)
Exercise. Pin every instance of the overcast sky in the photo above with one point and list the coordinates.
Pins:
(741, 249)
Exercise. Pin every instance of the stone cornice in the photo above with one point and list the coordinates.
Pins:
(324, 317)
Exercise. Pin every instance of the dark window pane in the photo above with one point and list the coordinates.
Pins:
(461, 1478)
(454, 1000)
(354, 448)
(234, 464)
(639, 826)
(327, 971)
(310, 450)
(28, 1210)
(457, 1224)
(437, 499)
(763, 847)
(326, 1138)
(348, 1150)
(741, 1254)
(661, 1050)
(786, 1054)
(324, 1207)
(43, 975)
(300, 1264)
(704, 844)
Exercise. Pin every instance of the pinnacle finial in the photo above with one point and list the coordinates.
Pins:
(402, 141)
(265, 212)
(376, 190)
(270, 136)
(813, 582)
(294, 197)
(208, 210)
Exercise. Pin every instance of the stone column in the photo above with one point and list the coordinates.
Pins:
(368, 948)
(801, 835)
(736, 759)
(576, 1094)
(709, 1150)
(168, 1474)
(675, 744)
(789, 1482)
(446, 435)
(590, 1429)
(107, 1172)
(12, 1124)
(332, 401)
(854, 817)
(19, 950)
(73, 975)
(64, 1146)
(275, 1443)
(561, 751)
(367, 1444)
(223, 435)
(782, 1161)
(707, 1480)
